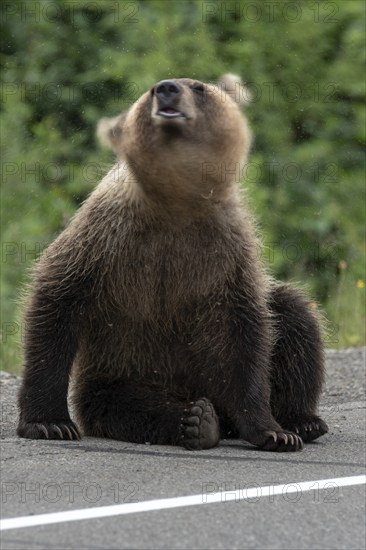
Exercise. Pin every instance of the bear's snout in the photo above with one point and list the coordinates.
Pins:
(167, 92)
(167, 101)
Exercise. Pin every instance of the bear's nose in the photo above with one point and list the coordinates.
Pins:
(167, 91)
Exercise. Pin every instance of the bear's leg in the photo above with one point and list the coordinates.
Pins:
(51, 341)
(127, 412)
(297, 371)
(242, 399)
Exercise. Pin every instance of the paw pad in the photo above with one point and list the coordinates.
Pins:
(199, 426)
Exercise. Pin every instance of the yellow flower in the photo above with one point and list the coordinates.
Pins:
(360, 284)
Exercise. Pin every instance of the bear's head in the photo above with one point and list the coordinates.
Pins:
(183, 138)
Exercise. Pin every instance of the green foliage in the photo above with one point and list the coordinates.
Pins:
(67, 64)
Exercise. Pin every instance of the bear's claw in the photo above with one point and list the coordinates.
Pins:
(65, 430)
(282, 441)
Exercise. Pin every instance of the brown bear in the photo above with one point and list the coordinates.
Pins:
(155, 300)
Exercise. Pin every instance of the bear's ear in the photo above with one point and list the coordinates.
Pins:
(109, 132)
(233, 85)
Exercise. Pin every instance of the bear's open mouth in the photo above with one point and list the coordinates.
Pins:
(169, 112)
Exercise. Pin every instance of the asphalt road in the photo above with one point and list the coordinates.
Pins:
(41, 477)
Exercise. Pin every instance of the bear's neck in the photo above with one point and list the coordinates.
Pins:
(177, 194)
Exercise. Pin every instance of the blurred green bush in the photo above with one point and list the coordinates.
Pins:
(66, 64)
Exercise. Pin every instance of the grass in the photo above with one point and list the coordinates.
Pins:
(345, 311)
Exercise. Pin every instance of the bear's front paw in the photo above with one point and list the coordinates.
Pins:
(64, 429)
(279, 441)
(200, 426)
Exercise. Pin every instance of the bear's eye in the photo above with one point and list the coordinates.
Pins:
(199, 88)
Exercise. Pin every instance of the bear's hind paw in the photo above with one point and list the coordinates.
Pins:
(309, 428)
(200, 426)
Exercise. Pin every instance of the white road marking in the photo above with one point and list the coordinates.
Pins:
(178, 502)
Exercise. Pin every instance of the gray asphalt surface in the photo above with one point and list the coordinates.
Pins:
(48, 476)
